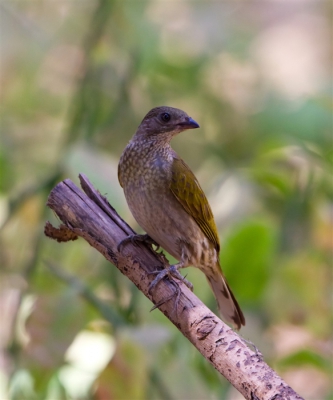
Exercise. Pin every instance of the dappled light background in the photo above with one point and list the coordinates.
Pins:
(76, 80)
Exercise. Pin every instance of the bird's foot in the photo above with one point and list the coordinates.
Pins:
(177, 293)
(135, 239)
(170, 272)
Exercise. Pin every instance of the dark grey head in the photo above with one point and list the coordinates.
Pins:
(165, 121)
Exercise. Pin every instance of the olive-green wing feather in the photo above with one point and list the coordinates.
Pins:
(186, 189)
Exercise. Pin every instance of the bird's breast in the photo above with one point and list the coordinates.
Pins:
(144, 169)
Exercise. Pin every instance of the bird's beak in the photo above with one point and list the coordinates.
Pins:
(189, 123)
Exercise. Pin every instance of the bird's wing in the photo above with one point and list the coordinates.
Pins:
(186, 189)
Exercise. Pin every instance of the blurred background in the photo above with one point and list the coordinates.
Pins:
(76, 80)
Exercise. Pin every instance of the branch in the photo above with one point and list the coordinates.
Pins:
(91, 217)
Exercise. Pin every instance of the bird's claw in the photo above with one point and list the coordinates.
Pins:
(151, 241)
(135, 239)
(160, 275)
(171, 271)
(177, 293)
(124, 242)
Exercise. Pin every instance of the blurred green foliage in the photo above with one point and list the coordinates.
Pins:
(77, 78)
(252, 244)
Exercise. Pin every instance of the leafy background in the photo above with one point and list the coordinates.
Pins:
(76, 80)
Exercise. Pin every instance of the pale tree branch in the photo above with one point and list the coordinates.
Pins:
(91, 217)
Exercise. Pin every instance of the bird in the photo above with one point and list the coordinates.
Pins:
(169, 204)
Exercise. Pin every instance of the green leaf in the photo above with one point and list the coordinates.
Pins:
(245, 258)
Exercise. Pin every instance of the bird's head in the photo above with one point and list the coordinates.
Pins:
(164, 122)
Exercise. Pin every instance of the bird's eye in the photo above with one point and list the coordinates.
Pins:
(166, 117)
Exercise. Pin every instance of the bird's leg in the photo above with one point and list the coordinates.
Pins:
(134, 239)
(171, 271)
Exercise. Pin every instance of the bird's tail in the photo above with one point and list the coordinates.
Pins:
(226, 301)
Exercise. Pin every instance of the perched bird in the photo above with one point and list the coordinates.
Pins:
(167, 201)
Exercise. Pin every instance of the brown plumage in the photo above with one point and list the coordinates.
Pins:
(167, 201)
